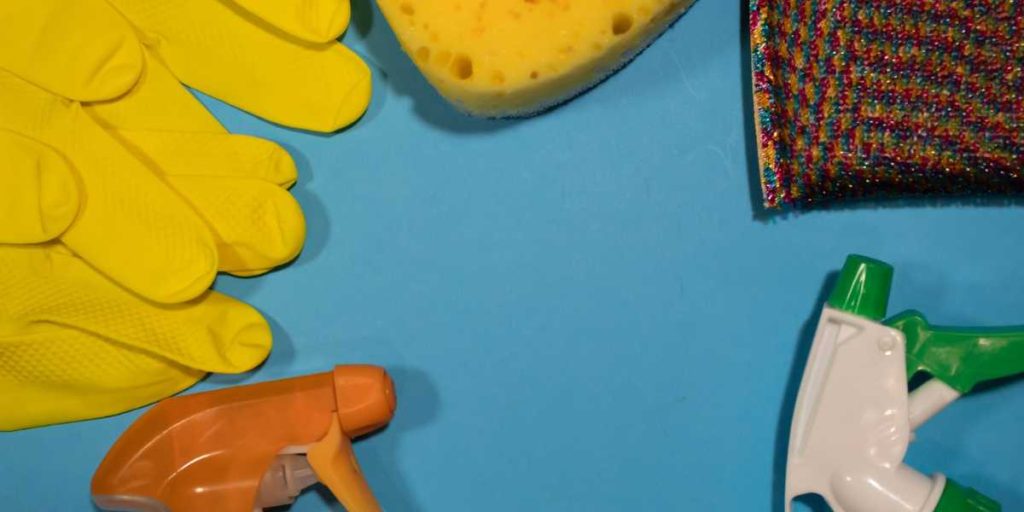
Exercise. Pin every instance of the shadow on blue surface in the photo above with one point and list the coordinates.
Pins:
(318, 228)
(401, 76)
(419, 404)
(811, 503)
(796, 371)
(318, 225)
(242, 288)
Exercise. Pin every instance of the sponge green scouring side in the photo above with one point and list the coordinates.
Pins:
(514, 58)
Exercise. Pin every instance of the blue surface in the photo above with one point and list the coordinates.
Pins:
(586, 310)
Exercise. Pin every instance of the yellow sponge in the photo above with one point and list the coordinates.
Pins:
(510, 58)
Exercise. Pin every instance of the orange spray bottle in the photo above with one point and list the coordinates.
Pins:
(250, 447)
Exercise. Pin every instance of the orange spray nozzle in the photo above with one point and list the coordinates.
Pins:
(369, 398)
(249, 447)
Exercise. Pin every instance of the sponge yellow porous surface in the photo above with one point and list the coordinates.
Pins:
(511, 58)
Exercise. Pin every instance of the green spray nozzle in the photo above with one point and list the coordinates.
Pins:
(957, 498)
(863, 287)
(851, 407)
(960, 357)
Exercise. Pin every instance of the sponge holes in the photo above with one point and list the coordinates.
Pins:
(461, 67)
(423, 54)
(622, 22)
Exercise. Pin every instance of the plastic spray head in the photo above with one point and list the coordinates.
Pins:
(249, 447)
(851, 426)
(854, 417)
(367, 400)
(863, 287)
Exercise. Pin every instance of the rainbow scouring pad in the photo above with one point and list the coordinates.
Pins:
(887, 98)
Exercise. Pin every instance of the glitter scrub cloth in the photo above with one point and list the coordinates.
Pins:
(887, 98)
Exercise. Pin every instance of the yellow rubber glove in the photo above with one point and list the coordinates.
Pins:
(253, 54)
(73, 345)
(253, 65)
(236, 183)
(157, 192)
(167, 197)
(38, 191)
(46, 42)
(316, 21)
(51, 44)
(146, 188)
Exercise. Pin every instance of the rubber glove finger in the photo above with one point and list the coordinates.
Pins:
(234, 183)
(38, 191)
(215, 154)
(43, 41)
(258, 226)
(44, 287)
(211, 48)
(158, 102)
(131, 226)
(316, 21)
(62, 374)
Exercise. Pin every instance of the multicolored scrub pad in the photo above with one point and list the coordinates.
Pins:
(884, 98)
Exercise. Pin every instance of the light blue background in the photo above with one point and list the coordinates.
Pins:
(586, 310)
